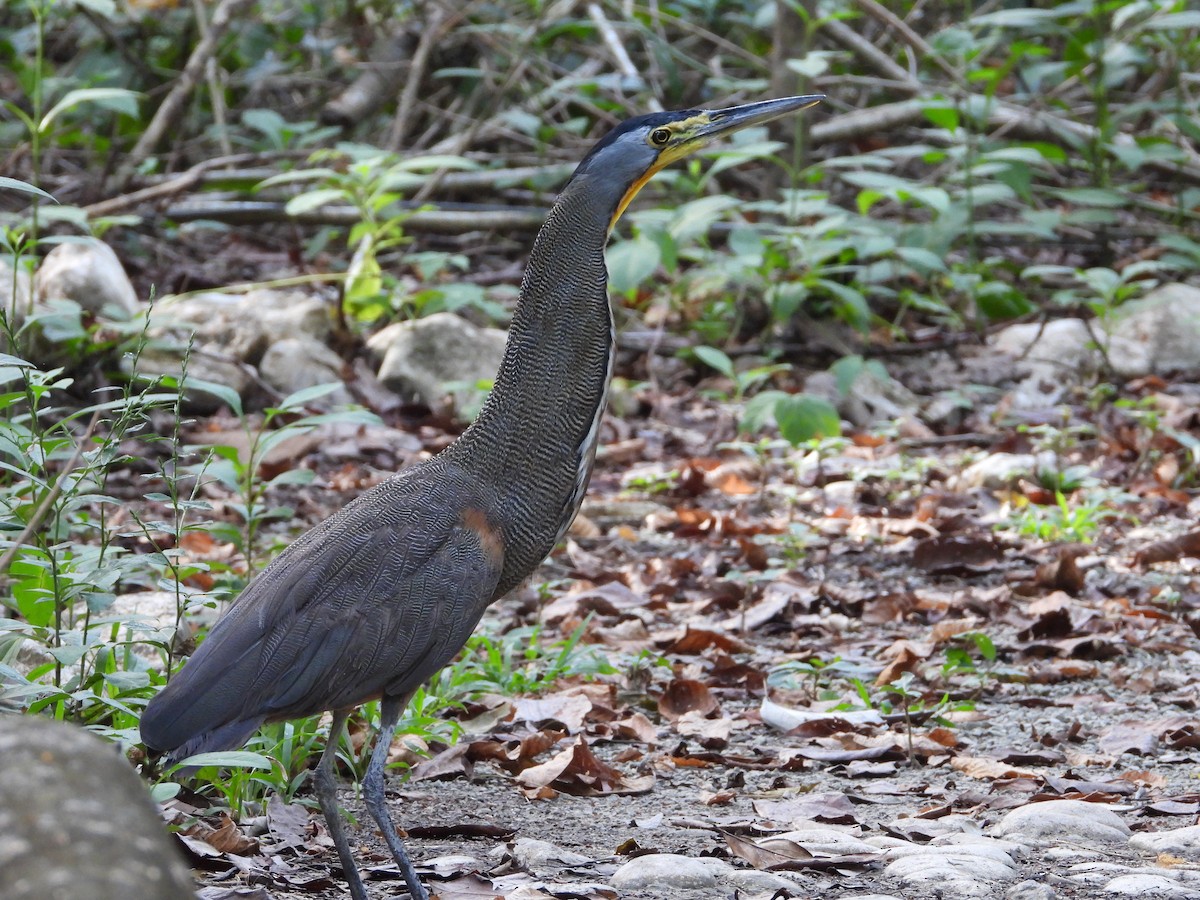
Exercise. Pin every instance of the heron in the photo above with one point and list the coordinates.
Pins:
(374, 600)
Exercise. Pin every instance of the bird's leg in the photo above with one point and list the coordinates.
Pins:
(373, 792)
(326, 787)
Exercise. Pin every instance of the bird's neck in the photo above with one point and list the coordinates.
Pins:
(535, 439)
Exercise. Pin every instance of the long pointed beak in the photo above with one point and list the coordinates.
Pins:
(735, 118)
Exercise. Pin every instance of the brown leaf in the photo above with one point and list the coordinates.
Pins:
(780, 855)
(287, 823)
(228, 838)
(697, 640)
(1169, 550)
(958, 553)
(731, 479)
(684, 695)
(514, 753)
(569, 708)
(889, 607)
(1062, 573)
(947, 629)
(988, 769)
(712, 734)
(906, 657)
(1053, 616)
(1172, 808)
(635, 727)
(576, 770)
(1140, 737)
(450, 763)
(831, 809)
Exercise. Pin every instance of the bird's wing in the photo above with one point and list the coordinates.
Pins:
(371, 601)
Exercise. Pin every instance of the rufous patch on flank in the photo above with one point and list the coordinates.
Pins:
(490, 538)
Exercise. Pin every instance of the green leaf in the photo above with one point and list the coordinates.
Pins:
(987, 648)
(846, 371)
(921, 259)
(168, 790)
(1181, 20)
(293, 476)
(1092, 197)
(310, 200)
(695, 218)
(225, 758)
(802, 417)
(105, 8)
(304, 396)
(631, 262)
(293, 177)
(942, 116)
(436, 161)
(222, 392)
(7, 359)
(13, 184)
(716, 359)
(117, 99)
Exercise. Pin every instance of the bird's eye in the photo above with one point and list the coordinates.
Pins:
(660, 136)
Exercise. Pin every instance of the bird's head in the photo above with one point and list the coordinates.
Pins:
(629, 155)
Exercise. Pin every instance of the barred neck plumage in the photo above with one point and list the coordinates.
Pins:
(535, 439)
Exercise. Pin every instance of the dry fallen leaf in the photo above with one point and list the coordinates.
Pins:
(576, 770)
(683, 695)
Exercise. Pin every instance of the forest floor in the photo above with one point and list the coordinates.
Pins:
(871, 639)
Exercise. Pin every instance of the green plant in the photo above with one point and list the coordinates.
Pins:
(59, 550)
(243, 475)
(1060, 441)
(817, 675)
(654, 483)
(373, 183)
(517, 662)
(41, 114)
(743, 381)
(1062, 521)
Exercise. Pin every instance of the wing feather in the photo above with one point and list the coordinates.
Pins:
(372, 601)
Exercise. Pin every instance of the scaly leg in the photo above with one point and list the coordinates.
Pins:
(373, 792)
(326, 787)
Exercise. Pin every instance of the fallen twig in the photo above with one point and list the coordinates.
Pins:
(437, 26)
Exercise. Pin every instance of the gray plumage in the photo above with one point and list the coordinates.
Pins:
(381, 595)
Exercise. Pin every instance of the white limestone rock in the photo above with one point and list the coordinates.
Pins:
(1182, 842)
(1156, 334)
(295, 363)
(87, 273)
(1063, 822)
(1051, 357)
(436, 357)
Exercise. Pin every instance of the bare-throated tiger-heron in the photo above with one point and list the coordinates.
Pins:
(374, 600)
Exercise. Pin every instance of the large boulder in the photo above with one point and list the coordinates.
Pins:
(440, 356)
(1156, 334)
(75, 821)
(87, 273)
(1052, 358)
(229, 336)
(292, 364)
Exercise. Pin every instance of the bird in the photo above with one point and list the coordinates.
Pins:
(375, 599)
